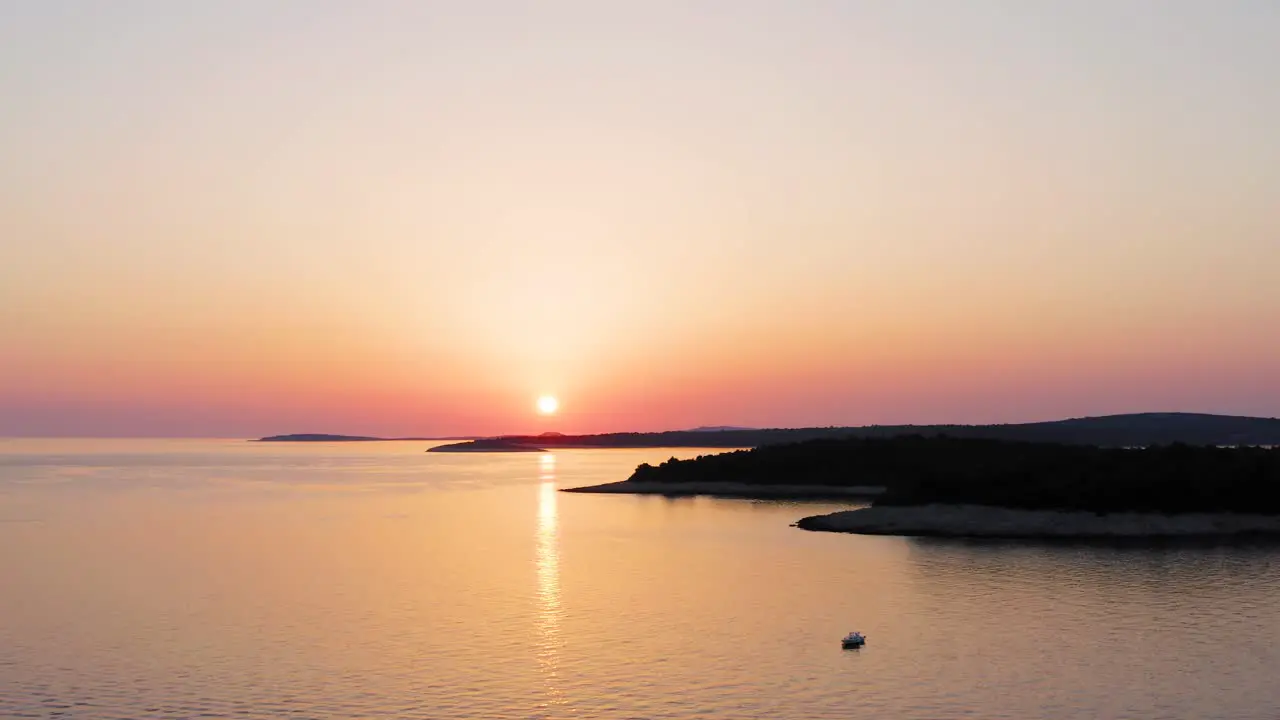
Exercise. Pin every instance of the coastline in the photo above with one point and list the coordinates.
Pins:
(488, 445)
(461, 449)
(745, 491)
(978, 521)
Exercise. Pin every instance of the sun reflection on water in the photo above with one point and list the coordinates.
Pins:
(548, 569)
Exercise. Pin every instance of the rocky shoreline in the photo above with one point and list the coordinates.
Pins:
(995, 522)
(733, 490)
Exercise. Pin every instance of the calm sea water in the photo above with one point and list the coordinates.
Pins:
(182, 579)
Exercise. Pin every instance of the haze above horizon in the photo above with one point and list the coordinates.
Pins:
(239, 219)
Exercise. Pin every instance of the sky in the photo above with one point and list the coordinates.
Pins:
(235, 218)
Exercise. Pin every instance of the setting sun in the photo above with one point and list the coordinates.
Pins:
(547, 405)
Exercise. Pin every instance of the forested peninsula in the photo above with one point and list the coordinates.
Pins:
(942, 485)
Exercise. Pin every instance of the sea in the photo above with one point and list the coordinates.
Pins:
(236, 579)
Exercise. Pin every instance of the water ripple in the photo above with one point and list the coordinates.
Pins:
(162, 593)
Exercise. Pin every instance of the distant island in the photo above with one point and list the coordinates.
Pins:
(318, 437)
(325, 437)
(1108, 431)
(943, 485)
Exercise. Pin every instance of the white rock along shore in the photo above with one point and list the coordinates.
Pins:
(995, 522)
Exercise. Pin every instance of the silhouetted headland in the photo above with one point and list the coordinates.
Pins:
(1109, 431)
(488, 445)
(728, 489)
(984, 521)
(810, 469)
(942, 485)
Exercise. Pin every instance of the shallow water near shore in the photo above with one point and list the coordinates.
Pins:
(217, 578)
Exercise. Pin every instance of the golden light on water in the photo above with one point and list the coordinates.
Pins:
(547, 562)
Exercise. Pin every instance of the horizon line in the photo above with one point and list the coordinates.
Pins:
(736, 428)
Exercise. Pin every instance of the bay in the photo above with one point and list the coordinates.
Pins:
(223, 578)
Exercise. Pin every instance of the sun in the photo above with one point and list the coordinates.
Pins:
(548, 405)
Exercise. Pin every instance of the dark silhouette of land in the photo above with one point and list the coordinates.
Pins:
(1175, 478)
(942, 485)
(919, 470)
(488, 445)
(1108, 431)
(325, 437)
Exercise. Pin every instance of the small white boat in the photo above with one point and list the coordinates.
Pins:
(853, 640)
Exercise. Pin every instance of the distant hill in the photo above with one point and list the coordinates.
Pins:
(1108, 431)
(718, 428)
(1135, 429)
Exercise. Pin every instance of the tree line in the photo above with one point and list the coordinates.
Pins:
(918, 469)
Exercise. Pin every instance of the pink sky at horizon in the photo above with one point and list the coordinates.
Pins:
(233, 220)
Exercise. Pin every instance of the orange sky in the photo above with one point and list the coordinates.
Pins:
(229, 219)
